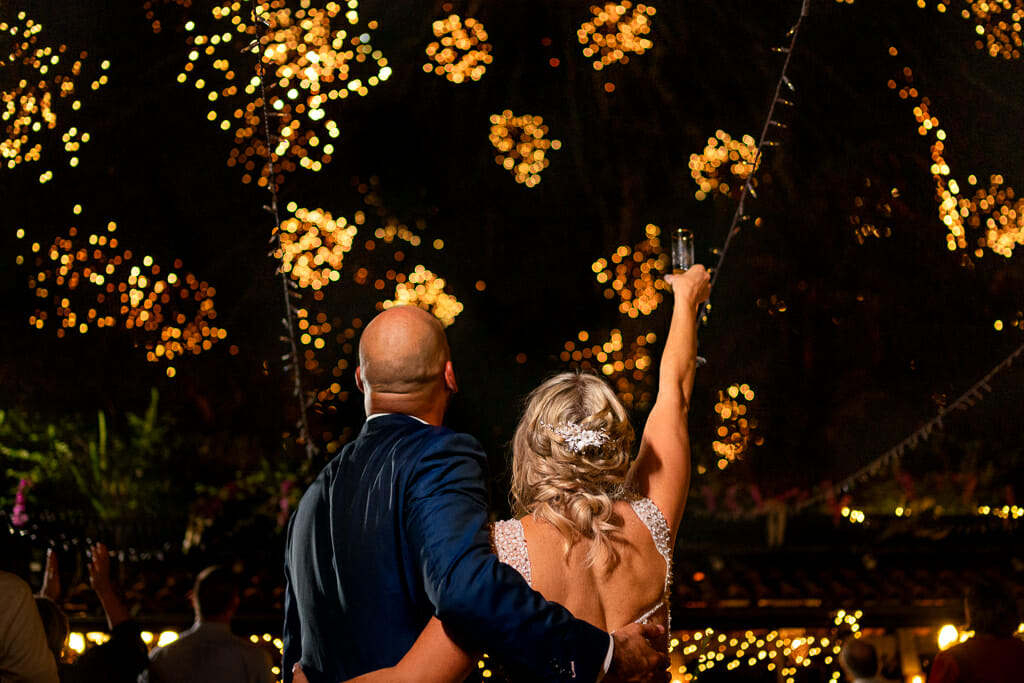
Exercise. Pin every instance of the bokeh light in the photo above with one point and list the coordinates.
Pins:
(40, 94)
(425, 289)
(461, 51)
(872, 211)
(150, 9)
(90, 282)
(313, 246)
(995, 210)
(724, 165)
(997, 25)
(737, 431)
(521, 145)
(614, 31)
(635, 275)
(315, 56)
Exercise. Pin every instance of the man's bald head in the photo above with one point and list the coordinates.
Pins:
(403, 351)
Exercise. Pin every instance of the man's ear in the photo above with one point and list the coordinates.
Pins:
(449, 378)
(359, 379)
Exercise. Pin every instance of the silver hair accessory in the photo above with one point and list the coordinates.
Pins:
(577, 438)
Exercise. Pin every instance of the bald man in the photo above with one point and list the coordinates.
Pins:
(394, 531)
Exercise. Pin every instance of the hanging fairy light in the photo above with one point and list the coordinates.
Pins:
(315, 56)
(724, 160)
(635, 275)
(313, 246)
(998, 26)
(425, 289)
(995, 209)
(614, 31)
(40, 91)
(736, 432)
(521, 145)
(149, 7)
(90, 282)
(872, 211)
(461, 51)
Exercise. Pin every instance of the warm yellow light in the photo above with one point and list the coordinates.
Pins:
(948, 636)
(76, 642)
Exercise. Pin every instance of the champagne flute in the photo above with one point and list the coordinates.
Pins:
(682, 259)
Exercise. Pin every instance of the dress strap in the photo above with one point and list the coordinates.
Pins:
(655, 522)
(510, 546)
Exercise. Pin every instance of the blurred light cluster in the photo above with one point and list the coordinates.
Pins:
(628, 369)
(634, 275)
(313, 246)
(785, 652)
(92, 284)
(773, 304)
(995, 209)
(425, 289)
(736, 432)
(872, 207)
(39, 86)
(149, 7)
(723, 159)
(521, 146)
(314, 56)
(461, 52)
(615, 30)
(391, 227)
(998, 26)
(1004, 512)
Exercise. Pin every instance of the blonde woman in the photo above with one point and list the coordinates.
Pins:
(595, 528)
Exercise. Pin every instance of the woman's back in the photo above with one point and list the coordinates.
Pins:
(609, 595)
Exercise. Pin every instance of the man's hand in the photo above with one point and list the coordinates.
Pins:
(99, 569)
(634, 660)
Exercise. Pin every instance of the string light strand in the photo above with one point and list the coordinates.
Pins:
(291, 358)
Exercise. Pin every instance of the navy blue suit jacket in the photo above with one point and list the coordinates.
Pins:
(394, 531)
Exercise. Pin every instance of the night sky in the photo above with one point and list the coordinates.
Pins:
(874, 336)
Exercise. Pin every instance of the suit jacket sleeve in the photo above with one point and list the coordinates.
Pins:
(486, 605)
(292, 633)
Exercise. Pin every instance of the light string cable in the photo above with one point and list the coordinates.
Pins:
(967, 400)
(769, 123)
(288, 287)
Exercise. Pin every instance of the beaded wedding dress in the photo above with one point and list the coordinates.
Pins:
(510, 545)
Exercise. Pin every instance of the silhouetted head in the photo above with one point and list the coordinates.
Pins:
(859, 658)
(215, 594)
(991, 609)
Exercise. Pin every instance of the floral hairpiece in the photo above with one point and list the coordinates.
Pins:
(577, 438)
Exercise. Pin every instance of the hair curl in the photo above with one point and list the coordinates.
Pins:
(573, 491)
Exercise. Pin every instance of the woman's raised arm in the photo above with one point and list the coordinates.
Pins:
(662, 468)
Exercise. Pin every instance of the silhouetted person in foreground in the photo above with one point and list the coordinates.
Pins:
(209, 651)
(120, 659)
(859, 661)
(993, 655)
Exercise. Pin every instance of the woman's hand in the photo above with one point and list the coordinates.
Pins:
(692, 287)
(297, 675)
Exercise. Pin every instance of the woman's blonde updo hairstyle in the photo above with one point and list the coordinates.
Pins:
(574, 491)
